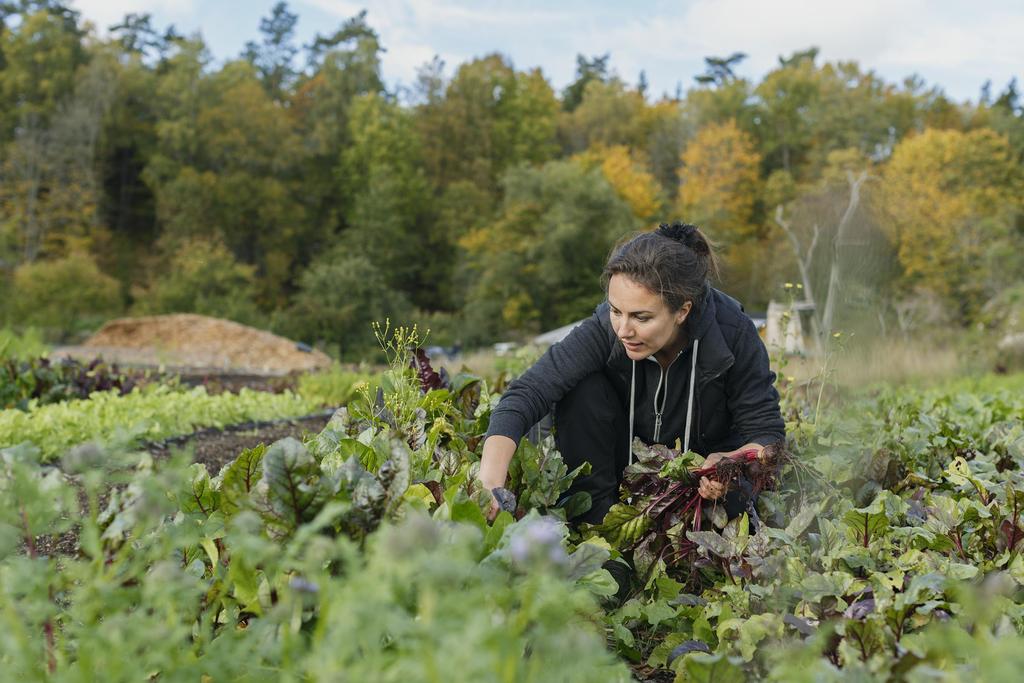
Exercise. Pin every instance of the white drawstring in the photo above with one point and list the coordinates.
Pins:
(632, 404)
(689, 400)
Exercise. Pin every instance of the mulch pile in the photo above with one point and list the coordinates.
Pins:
(185, 341)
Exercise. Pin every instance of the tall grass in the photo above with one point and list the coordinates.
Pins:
(895, 361)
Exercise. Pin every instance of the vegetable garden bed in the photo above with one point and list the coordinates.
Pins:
(892, 552)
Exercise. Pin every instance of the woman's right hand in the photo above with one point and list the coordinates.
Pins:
(494, 509)
(497, 454)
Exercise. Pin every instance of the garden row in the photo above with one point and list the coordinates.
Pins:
(887, 548)
(61, 405)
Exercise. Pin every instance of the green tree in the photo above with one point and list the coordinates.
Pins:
(391, 220)
(610, 114)
(720, 70)
(587, 70)
(786, 96)
(228, 164)
(64, 295)
(49, 187)
(39, 56)
(490, 119)
(342, 66)
(126, 206)
(537, 266)
(669, 133)
(860, 111)
(721, 95)
(201, 276)
(338, 298)
(273, 56)
(1006, 116)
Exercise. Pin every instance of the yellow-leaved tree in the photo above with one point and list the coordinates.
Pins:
(719, 183)
(951, 202)
(628, 176)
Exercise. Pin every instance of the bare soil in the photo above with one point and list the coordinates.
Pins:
(216, 448)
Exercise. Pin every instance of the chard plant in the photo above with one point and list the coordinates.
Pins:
(295, 561)
(882, 565)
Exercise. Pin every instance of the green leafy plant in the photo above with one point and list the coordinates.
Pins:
(153, 413)
(287, 560)
(43, 381)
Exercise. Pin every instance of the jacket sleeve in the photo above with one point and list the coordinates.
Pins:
(563, 365)
(751, 398)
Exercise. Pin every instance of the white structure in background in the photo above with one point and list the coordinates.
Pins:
(555, 336)
(504, 348)
(790, 339)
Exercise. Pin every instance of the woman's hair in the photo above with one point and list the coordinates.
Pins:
(675, 261)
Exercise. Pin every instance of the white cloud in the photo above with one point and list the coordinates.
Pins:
(992, 38)
(106, 13)
(449, 14)
(401, 31)
(950, 43)
(414, 31)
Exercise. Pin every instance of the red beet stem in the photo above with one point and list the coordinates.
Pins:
(746, 456)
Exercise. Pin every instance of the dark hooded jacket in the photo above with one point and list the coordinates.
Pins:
(734, 402)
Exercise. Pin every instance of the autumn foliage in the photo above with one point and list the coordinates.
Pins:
(480, 198)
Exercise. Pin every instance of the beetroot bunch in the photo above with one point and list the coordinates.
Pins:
(662, 502)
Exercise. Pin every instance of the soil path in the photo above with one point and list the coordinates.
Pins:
(212, 447)
(216, 448)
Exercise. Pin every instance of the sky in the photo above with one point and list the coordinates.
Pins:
(956, 45)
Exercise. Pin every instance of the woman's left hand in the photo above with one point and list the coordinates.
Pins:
(713, 458)
(713, 490)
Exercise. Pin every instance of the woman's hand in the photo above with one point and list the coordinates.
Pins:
(497, 453)
(494, 509)
(713, 490)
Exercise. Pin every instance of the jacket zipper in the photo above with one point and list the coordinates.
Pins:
(664, 401)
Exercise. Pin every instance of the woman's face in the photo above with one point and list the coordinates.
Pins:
(642, 321)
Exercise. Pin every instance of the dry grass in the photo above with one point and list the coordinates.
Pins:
(890, 361)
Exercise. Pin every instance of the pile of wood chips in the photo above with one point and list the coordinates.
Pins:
(200, 343)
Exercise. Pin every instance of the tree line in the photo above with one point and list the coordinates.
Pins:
(291, 189)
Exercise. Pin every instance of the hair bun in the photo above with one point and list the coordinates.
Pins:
(686, 234)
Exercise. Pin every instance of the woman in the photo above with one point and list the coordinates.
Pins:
(665, 358)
